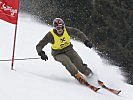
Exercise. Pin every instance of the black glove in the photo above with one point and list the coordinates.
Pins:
(43, 55)
(88, 43)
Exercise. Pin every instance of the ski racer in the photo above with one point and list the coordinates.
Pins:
(62, 49)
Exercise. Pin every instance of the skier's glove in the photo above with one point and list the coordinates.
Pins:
(43, 55)
(88, 43)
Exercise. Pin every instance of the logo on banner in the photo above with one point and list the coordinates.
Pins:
(7, 10)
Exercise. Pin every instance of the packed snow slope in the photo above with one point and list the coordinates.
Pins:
(40, 80)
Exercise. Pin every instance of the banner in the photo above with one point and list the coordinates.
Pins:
(9, 10)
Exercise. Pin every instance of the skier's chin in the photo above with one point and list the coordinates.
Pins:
(60, 32)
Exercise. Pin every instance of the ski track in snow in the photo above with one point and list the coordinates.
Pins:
(40, 80)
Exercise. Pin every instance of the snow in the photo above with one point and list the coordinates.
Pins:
(40, 80)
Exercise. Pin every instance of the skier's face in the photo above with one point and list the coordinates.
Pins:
(59, 29)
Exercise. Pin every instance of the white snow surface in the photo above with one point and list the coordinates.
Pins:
(40, 80)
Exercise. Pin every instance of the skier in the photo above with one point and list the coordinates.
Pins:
(62, 49)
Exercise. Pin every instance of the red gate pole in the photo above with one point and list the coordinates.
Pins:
(14, 44)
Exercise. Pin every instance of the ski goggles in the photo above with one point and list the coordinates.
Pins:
(59, 27)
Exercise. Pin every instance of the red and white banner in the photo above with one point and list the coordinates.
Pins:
(9, 10)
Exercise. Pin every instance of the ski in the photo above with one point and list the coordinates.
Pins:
(95, 89)
(107, 88)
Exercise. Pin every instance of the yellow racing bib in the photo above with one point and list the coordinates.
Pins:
(60, 42)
